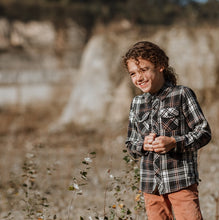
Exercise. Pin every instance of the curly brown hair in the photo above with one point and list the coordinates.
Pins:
(151, 52)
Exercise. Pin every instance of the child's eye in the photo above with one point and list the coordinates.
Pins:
(132, 74)
(144, 69)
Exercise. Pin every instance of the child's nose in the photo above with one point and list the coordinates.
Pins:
(139, 77)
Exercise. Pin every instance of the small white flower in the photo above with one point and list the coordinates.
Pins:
(71, 207)
(30, 155)
(88, 159)
(80, 192)
(111, 176)
(76, 186)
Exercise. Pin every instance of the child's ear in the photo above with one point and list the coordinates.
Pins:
(161, 69)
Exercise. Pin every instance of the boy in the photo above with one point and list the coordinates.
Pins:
(166, 128)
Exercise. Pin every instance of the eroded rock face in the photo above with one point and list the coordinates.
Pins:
(95, 95)
(37, 57)
(98, 85)
(4, 34)
(41, 44)
(101, 89)
(193, 55)
(33, 34)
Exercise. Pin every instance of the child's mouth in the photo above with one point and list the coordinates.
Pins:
(142, 84)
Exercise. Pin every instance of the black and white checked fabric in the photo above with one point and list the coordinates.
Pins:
(173, 111)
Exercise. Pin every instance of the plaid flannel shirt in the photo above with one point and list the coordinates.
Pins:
(173, 111)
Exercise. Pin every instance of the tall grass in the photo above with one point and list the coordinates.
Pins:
(74, 174)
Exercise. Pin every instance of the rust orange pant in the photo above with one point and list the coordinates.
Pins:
(184, 203)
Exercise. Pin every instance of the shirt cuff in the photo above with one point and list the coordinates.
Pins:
(180, 144)
(135, 150)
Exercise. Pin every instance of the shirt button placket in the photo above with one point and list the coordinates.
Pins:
(155, 106)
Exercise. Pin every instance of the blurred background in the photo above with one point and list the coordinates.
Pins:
(64, 93)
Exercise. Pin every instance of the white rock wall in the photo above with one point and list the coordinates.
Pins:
(96, 97)
(101, 89)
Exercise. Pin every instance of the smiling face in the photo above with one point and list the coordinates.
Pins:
(145, 75)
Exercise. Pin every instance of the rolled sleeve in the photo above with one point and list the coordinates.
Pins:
(134, 141)
(197, 131)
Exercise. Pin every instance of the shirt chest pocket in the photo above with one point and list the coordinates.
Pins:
(143, 122)
(170, 119)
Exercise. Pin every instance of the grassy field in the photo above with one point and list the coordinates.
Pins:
(77, 173)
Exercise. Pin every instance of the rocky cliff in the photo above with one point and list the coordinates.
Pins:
(100, 88)
(103, 91)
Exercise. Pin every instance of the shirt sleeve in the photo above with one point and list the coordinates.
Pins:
(198, 133)
(134, 141)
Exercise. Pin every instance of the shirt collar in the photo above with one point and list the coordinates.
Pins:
(161, 94)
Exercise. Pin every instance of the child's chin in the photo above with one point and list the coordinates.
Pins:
(144, 90)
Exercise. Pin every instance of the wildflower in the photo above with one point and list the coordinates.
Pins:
(76, 186)
(113, 206)
(137, 198)
(88, 159)
(121, 205)
(30, 155)
(111, 176)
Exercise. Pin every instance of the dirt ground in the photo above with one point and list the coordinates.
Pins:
(77, 173)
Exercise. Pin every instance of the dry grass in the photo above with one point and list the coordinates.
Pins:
(37, 168)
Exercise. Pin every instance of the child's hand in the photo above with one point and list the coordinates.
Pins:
(148, 140)
(163, 144)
